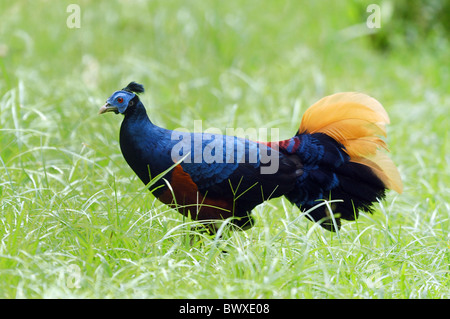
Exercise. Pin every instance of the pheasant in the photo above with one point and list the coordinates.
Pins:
(337, 155)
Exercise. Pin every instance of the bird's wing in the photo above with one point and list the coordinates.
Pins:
(219, 164)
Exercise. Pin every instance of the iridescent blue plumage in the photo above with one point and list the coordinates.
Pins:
(222, 176)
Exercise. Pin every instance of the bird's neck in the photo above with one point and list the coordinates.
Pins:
(137, 139)
(136, 129)
(137, 113)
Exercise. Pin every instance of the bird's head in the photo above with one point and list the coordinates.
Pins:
(119, 101)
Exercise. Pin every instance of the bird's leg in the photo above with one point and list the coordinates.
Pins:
(208, 230)
(244, 222)
(203, 230)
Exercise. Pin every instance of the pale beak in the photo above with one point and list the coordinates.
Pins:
(108, 108)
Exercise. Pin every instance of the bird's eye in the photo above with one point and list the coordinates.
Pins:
(119, 99)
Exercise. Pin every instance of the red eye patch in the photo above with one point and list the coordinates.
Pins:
(119, 99)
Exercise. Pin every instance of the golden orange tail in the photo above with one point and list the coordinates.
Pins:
(358, 122)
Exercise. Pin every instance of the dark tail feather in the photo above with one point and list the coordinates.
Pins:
(358, 189)
(341, 148)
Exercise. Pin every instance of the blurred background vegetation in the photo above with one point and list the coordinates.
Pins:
(230, 63)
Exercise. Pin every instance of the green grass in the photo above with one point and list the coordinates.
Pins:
(72, 208)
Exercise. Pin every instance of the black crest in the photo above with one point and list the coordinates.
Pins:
(134, 87)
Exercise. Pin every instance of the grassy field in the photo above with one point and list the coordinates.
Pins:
(76, 222)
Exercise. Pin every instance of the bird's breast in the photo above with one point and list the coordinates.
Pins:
(183, 194)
